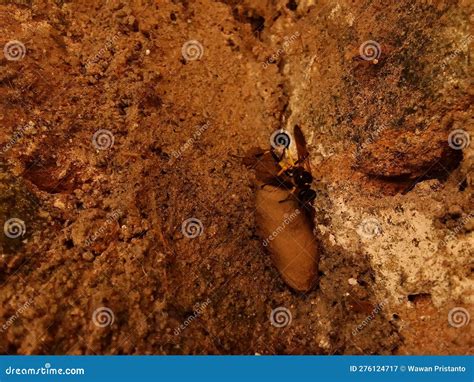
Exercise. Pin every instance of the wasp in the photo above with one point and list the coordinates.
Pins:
(284, 188)
(277, 167)
(299, 170)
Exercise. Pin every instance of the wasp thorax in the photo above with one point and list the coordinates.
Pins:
(302, 177)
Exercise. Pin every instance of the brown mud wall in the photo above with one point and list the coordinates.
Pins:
(115, 130)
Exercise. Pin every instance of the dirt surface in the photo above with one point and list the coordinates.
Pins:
(130, 222)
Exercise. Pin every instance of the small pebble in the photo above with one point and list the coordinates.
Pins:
(455, 210)
(88, 256)
(352, 281)
(147, 52)
(59, 204)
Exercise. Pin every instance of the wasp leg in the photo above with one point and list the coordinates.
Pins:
(289, 162)
(283, 169)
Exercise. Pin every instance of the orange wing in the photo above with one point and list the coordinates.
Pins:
(303, 153)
